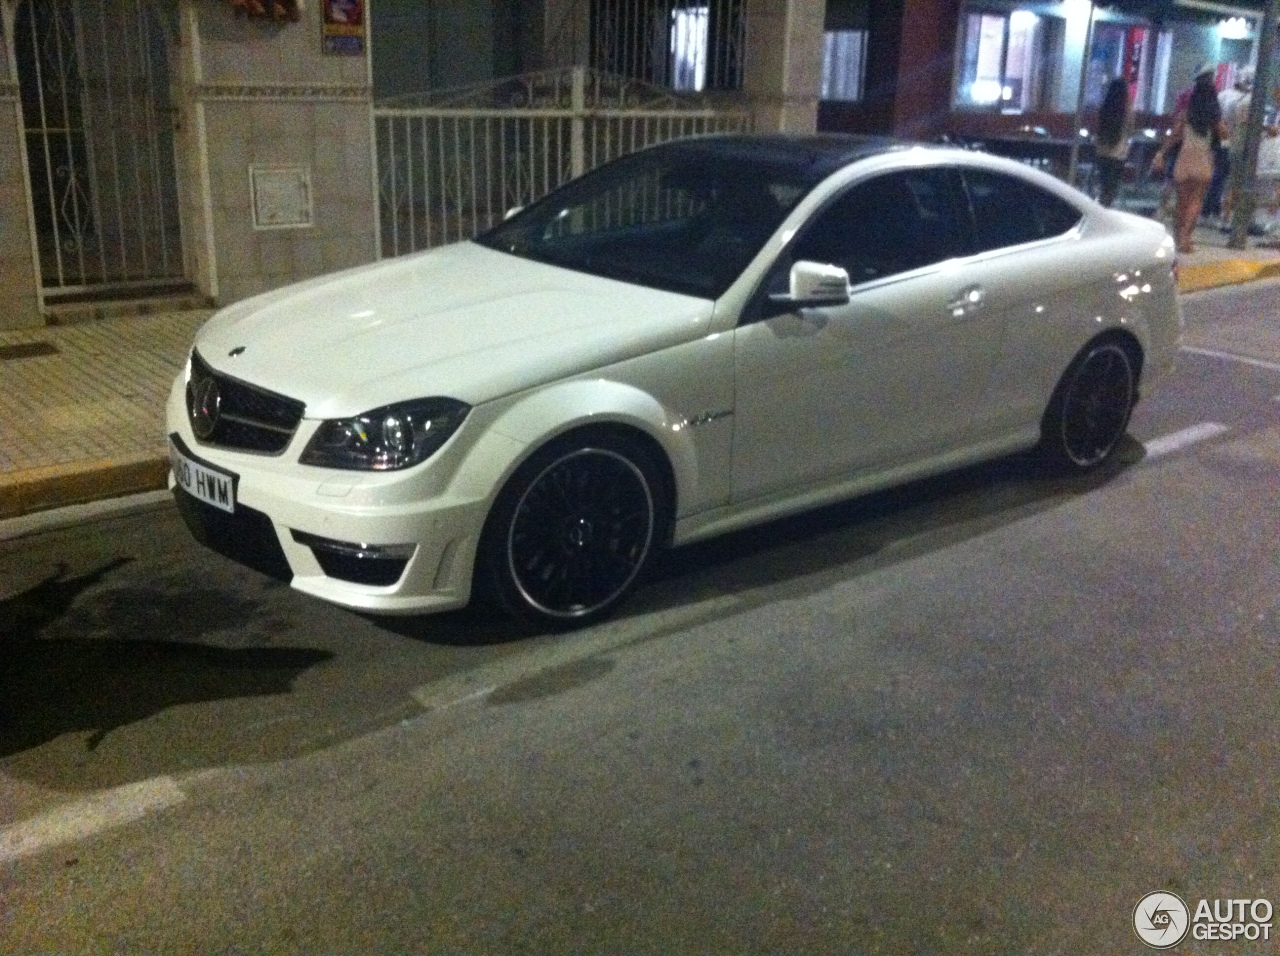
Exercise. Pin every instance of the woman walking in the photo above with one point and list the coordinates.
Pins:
(1197, 130)
(1113, 138)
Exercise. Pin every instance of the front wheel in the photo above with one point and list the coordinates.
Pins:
(571, 532)
(1090, 408)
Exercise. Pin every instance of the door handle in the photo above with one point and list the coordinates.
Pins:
(970, 300)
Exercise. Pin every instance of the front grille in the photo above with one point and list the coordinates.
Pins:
(226, 412)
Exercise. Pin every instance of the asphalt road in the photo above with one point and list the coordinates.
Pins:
(983, 714)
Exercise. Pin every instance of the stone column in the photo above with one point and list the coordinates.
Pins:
(19, 267)
(783, 75)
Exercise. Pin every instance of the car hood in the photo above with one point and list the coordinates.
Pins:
(463, 321)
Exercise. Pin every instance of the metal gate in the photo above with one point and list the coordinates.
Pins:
(451, 165)
(94, 82)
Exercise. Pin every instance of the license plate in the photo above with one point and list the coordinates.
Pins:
(211, 485)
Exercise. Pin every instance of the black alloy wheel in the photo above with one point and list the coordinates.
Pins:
(1090, 409)
(572, 531)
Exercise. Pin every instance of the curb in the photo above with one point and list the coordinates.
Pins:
(1227, 272)
(39, 489)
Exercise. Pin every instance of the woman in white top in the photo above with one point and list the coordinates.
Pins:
(1112, 146)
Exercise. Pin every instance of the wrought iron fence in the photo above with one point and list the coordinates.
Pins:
(451, 165)
(94, 83)
(681, 44)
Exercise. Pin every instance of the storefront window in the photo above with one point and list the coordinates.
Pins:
(844, 64)
(1027, 57)
(689, 48)
(1117, 52)
(1008, 61)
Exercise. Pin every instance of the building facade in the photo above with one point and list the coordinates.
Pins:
(991, 67)
(194, 147)
(219, 148)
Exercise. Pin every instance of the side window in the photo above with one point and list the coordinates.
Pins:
(1008, 211)
(890, 224)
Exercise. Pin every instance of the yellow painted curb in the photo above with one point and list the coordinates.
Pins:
(1227, 272)
(38, 489)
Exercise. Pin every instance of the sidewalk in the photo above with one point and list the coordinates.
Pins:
(82, 406)
(1213, 264)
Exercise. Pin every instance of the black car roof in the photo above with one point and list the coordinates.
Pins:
(812, 157)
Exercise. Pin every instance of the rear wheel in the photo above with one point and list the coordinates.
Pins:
(571, 532)
(1090, 408)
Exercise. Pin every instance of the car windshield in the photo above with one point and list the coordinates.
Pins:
(684, 217)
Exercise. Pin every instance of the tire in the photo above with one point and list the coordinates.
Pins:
(1090, 408)
(570, 534)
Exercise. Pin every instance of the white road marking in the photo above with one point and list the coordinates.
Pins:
(84, 818)
(543, 654)
(424, 698)
(1232, 357)
(1188, 436)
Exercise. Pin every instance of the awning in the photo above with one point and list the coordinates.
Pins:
(1206, 11)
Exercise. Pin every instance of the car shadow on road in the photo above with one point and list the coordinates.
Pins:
(80, 665)
(798, 553)
(893, 525)
(130, 669)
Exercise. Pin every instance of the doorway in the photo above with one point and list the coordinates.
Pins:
(98, 120)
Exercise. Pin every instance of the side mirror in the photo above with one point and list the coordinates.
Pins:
(815, 284)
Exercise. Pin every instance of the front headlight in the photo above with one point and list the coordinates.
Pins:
(387, 438)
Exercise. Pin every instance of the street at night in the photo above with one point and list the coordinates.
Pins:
(985, 713)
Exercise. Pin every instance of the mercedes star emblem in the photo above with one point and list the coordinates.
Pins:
(205, 407)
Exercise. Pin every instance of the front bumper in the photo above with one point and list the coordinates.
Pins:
(398, 543)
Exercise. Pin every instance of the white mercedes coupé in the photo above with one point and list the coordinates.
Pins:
(693, 338)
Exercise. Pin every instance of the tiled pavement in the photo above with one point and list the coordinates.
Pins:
(82, 406)
(97, 395)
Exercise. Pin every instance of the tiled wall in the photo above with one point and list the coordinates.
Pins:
(248, 93)
(18, 302)
(266, 95)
